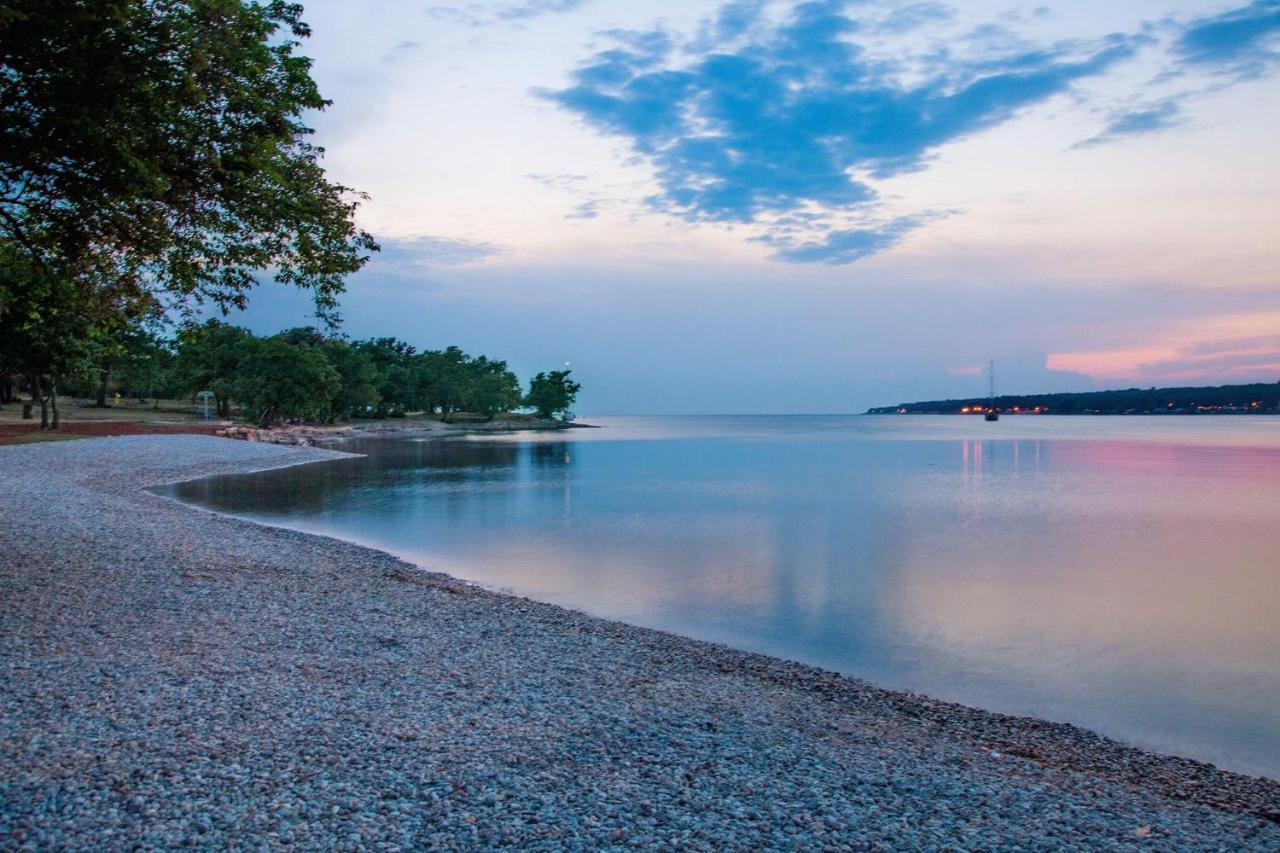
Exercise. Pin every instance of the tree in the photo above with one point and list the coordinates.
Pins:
(277, 380)
(359, 379)
(208, 358)
(48, 329)
(154, 151)
(493, 388)
(394, 362)
(147, 367)
(552, 393)
(443, 381)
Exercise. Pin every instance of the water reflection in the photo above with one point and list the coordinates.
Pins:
(1128, 584)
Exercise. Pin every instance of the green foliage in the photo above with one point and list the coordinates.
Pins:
(552, 393)
(146, 369)
(359, 381)
(208, 357)
(158, 145)
(153, 158)
(493, 388)
(393, 362)
(277, 380)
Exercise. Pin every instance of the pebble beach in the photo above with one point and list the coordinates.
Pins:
(174, 677)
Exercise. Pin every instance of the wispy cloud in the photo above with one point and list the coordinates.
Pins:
(1244, 42)
(1234, 46)
(1139, 122)
(417, 252)
(848, 245)
(534, 8)
(799, 116)
(913, 15)
(479, 15)
(400, 50)
(1228, 348)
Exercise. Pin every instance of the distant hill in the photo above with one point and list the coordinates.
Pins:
(1258, 398)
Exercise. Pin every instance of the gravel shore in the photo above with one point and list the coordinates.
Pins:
(172, 676)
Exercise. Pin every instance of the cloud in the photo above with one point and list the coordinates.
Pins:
(585, 210)
(846, 246)
(418, 252)
(534, 8)
(913, 15)
(1152, 119)
(1230, 348)
(399, 51)
(557, 181)
(1237, 45)
(1242, 41)
(478, 15)
(799, 115)
(732, 21)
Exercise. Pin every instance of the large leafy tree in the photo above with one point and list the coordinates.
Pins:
(279, 380)
(552, 393)
(155, 151)
(208, 359)
(493, 388)
(51, 334)
(360, 381)
(169, 135)
(393, 360)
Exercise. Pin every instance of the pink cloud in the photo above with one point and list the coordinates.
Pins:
(1231, 348)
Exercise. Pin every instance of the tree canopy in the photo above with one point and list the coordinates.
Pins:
(552, 393)
(161, 144)
(265, 377)
(153, 158)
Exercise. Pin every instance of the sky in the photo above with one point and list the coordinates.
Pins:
(760, 207)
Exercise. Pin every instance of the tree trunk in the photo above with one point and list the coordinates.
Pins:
(37, 394)
(6, 388)
(103, 377)
(53, 404)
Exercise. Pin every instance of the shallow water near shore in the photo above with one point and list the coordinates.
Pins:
(1118, 573)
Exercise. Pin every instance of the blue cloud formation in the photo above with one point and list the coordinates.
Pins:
(1242, 41)
(798, 116)
(1155, 118)
(534, 8)
(1240, 44)
(846, 246)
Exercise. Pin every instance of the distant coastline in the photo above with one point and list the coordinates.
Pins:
(1252, 399)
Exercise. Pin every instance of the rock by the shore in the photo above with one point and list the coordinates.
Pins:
(173, 677)
(297, 436)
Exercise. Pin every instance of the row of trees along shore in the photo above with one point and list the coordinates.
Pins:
(1258, 398)
(154, 164)
(304, 374)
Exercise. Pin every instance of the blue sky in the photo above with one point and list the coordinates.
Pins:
(815, 207)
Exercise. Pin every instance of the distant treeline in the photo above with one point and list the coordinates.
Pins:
(299, 375)
(1257, 398)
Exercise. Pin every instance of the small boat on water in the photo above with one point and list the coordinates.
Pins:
(991, 414)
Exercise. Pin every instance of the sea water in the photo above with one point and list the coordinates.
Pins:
(1121, 573)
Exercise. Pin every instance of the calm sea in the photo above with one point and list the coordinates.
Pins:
(1118, 573)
